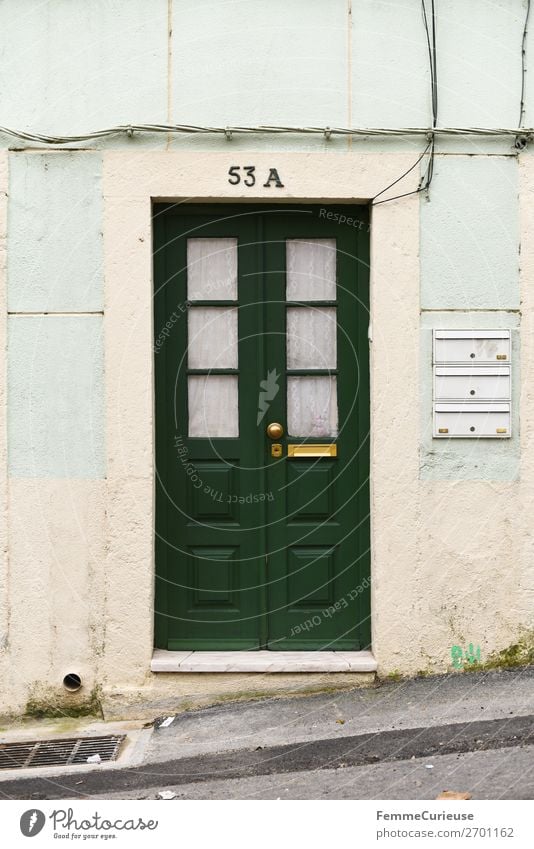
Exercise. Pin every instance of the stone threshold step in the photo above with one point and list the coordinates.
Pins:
(262, 661)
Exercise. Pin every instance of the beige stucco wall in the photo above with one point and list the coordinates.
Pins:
(451, 559)
(4, 560)
(129, 183)
(451, 525)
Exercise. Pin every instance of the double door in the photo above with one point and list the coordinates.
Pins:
(262, 428)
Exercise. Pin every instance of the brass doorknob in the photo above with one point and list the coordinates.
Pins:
(274, 430)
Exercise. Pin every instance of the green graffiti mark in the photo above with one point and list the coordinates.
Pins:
(456, 656)
(460, 657)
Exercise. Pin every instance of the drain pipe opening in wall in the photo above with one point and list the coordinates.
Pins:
(72, 682)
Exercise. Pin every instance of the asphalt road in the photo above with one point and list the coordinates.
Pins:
(315, 756)
(495, 774)
(409, 739)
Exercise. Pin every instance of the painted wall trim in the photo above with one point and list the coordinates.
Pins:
(130, 182)
(5, 577)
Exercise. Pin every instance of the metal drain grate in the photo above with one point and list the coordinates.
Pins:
(74, 750)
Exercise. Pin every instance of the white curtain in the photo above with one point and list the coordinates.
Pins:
(312, 406)
(213, 405)
(212, 341)
(311, 269)
(212, 269)
(311, 337)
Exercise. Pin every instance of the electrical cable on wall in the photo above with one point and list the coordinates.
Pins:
(520, 133)
(402, 176)
(130, 130)
(228, 132)
(523, 138)
(426, 179)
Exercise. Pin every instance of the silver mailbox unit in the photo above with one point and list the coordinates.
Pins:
(472, 384)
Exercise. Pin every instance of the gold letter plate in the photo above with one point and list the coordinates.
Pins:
(309, 450)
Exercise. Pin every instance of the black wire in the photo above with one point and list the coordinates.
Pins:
(431, 46)
(397, 197)
(432, 59)
(402, 176)
(523, 66)
(435, 66)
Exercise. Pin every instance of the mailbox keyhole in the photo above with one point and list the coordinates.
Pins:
(472, 392)
(471, 429)
(472, 356)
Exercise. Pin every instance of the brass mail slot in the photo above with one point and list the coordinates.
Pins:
(309, 450)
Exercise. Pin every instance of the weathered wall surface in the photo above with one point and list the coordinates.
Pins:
(452, 542)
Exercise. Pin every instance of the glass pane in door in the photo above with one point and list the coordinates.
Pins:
(311, 338)
(312, 406)
(212, 337)
(213, 407)
(212, 269)
(311, 269)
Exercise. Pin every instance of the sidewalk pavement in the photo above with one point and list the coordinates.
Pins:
(470, 732)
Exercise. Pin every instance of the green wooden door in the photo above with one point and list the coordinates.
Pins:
(261, 317)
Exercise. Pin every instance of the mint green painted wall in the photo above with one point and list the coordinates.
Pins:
(260, 63)
(470, 235)
(55, 397)
(253, 63)
(468, 459)
(55, 362)
(479, 67)
(470, 269)
(72, 66)
(69, 66)
(55, 232)
(389, 65)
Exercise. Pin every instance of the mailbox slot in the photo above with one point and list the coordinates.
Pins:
(472, 420)
(472, 383)
(471, 346)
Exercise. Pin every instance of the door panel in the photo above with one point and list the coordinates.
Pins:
(210, 569)
(266, 315)
(317, 530)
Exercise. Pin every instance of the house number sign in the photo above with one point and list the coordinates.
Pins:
(247, 175)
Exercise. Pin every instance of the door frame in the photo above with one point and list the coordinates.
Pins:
(132, 181)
